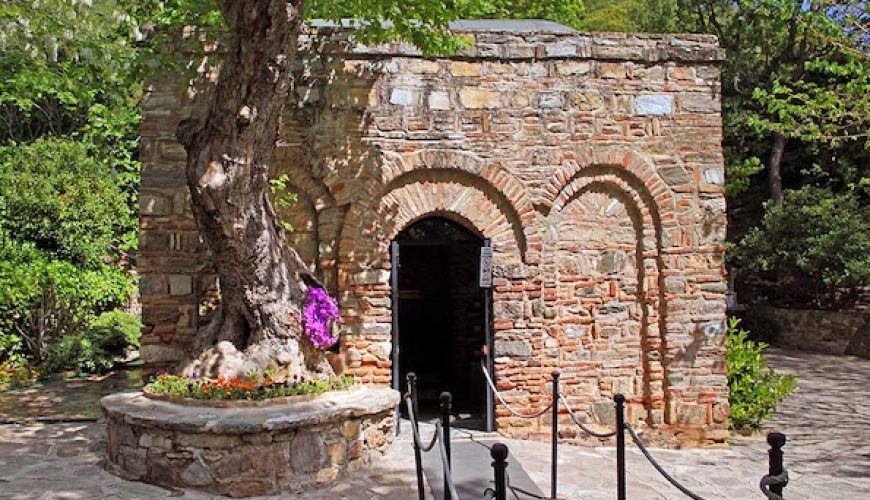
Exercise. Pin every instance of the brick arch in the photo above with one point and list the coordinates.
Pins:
(643, 211)
(628, 165)
(416, 184)
(368, 231)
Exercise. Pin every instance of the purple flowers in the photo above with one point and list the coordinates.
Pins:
(319, 309)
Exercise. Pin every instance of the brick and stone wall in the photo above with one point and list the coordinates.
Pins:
(829, 332)
(592, 161)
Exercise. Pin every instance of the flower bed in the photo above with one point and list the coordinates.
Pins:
(171, 387)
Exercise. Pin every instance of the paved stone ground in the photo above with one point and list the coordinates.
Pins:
(828, 455)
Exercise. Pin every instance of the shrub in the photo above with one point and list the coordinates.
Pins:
(754, 388)
(97, 347)
(54, 194)
(58, 316)
(815, 248)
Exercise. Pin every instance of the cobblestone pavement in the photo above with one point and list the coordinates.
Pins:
(828, 454)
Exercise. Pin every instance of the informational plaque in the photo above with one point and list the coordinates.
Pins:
(486, 267)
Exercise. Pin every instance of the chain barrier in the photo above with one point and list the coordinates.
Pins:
(771, 484)
(445, 462)
(658, 467)
(415, 431)
(599, 435)
(767, 481)
(504, 403)
(437, 437)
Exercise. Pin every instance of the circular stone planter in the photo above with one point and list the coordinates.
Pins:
(248, 450)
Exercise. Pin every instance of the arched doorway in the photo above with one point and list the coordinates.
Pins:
(441, 316)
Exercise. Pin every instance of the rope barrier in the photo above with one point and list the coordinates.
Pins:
(658, 467)
(769, 480)
(600, 435)
(504, 403)
(415, 430)
(445, 464)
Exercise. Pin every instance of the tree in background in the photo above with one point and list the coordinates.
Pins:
(795, 104)
(69, 97)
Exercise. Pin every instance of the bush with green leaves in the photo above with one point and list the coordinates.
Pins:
(47, 305)
(814, 248)
(754, 388)
(97, 347)
(54, 194)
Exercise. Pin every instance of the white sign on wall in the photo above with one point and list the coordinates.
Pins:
(486, 267)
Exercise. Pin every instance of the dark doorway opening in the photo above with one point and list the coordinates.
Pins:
(442, 316)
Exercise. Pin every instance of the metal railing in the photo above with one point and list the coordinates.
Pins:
(771, 484)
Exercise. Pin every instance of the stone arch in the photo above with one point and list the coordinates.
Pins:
(647, 220)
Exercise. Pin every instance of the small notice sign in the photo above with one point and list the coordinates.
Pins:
(486, 267)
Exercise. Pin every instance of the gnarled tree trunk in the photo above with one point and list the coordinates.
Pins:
(229, 140)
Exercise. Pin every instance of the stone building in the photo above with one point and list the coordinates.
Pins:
(590, 165)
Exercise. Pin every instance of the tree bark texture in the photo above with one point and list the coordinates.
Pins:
(774, 168)
(229, 139)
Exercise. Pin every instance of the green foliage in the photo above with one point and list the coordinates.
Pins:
(818, 242)
(740, 175)
(55, 195)
(754, 388)
(120, 325)
(568, 12)
(283, 198)
(69, 175)
(97, 347)
(251, 388)
(44, 300)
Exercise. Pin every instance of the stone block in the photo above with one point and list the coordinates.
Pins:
(154, 205)
(517, 348)
(463, 68)
(699, 102)
(423, 66)
(180, 284)
(151, 284)
(675, 175)
(612, 70)
(551, 100)
(571, 68)
(405, 97)
(439, 100)
(654, 105)
(478, 98)
(157, 354)
(307, 452)
(689, 414)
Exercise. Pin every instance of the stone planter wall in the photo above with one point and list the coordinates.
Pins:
(243, 452)
(829, 332)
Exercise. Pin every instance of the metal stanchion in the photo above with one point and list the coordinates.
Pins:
(776, 440)
(418, 459)
(619, 399)
(499, 453)
(446, 400)
(554, 439)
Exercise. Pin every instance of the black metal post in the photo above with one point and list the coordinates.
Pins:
(446, 400)
(499, 453)
(554, 445)
(418, 459)
(776, 440)
(619, 399)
